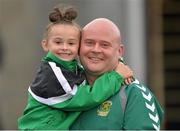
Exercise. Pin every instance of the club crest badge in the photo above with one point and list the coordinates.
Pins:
(104, 108)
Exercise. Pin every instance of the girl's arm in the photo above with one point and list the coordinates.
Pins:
(85, 97)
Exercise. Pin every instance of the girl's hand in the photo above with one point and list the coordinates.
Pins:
(125, 72)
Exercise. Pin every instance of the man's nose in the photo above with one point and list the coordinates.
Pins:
(97, 47)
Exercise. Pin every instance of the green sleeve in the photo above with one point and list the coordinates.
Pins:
(142, 112)
(88, 97)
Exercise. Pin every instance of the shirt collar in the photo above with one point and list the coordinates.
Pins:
(70, 65)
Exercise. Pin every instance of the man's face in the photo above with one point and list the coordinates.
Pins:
(99, 51)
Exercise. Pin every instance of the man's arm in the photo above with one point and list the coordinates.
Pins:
(142, 111)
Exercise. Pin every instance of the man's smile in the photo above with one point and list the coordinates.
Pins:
(95, 59)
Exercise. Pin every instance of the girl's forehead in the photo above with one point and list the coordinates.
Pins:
(63, 28)
(64, 32)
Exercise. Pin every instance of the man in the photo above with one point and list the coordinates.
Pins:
(134, 107)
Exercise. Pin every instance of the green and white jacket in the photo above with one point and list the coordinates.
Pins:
(133, 108)
(58, 94)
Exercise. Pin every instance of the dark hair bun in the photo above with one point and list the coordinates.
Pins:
(55, 16)
(63, 13)
(70, 14)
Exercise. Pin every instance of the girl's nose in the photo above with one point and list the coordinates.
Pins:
(65, 46)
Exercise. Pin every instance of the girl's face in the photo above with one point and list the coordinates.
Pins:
(63, 41)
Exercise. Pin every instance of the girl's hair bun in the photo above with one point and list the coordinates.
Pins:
(63, 13)
(70, 14)
(55, 16)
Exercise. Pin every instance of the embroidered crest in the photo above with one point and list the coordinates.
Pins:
(104, 108)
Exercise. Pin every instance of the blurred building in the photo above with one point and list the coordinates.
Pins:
(149, 47)
(171, 52)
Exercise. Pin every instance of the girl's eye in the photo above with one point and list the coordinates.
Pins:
(58, 42)
(71, 43)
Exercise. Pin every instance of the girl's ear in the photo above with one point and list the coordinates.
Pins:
(44, 45)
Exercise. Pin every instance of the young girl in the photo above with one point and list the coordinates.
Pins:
(59, 91)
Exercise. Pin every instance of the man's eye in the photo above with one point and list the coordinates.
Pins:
(104, 45)
(89, 43)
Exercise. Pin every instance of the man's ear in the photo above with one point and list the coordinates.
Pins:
(44, 45)
(121, 50)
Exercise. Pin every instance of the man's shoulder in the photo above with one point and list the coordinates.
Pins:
(141, 101)
(137, 88)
